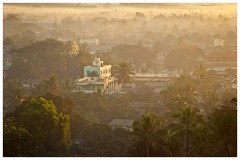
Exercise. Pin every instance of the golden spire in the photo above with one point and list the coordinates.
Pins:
(75, 48)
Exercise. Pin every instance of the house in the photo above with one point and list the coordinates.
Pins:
(221, 71)
(89, 41)
(100, 48)
(227, 85)
(7, 62)
(98, 76)
(7, 58)
(90, 84)
(30, 83)
(122, 123)
(148, 43)
(218, 42)
(102, 70)
(159, 62)
(157, 81)
(226, 59)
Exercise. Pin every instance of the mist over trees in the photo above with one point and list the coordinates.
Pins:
(108, 27)
(169, 102)
(174, 58)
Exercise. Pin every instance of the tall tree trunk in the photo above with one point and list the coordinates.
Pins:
(187, 144)
(227, 149)
(147, 149)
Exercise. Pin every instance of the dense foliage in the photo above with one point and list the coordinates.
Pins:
(137, 54)
(57, 122)
(43, 127)
(183, 57)
(47, 57)
(188, 118)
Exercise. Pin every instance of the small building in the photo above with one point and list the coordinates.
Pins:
(157, 81)
(227, 85)
(109, 85)
(221, 71)
(7, 62)
(30, 83)
(148, 43)
(227, 59)
(102, 70)
(89, 41)
(97, 77)
(122, 123)
(100, 48)
(217, 42)
(159, 62)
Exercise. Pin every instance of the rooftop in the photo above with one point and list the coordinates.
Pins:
(121, 122)
(223, 54)
(148, 75)
(95, 80)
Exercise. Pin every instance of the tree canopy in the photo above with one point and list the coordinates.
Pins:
(183, 57)
(49, 128)
(138, 55)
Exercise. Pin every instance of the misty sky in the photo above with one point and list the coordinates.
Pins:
(121, 10)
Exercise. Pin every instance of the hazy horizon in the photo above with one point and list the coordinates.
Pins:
(121, 9)
(120, 80)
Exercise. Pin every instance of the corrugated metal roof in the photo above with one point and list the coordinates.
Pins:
(222, 54)
(121, 122)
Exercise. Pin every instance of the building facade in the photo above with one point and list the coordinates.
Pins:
(89, 41)
(218, 42)
(125, 124)
(102, 70)
(97, 77)
(226, 59)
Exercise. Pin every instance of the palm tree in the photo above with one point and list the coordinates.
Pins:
(92, 117)
(66, 87)
(203, 79)
(145, 130)
(97, 101)
(222, 129)
(210, 100)
(180, 91)
(83, 58)
(38, 90)
(121, 105)
(200, 73)
(51, 84)
(124, 70)
(189, 123)
(8, 44)
(122, 99)
(56, 64)
(14, 94)
(173, 141)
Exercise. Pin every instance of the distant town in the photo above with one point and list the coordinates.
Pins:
(153, 84)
